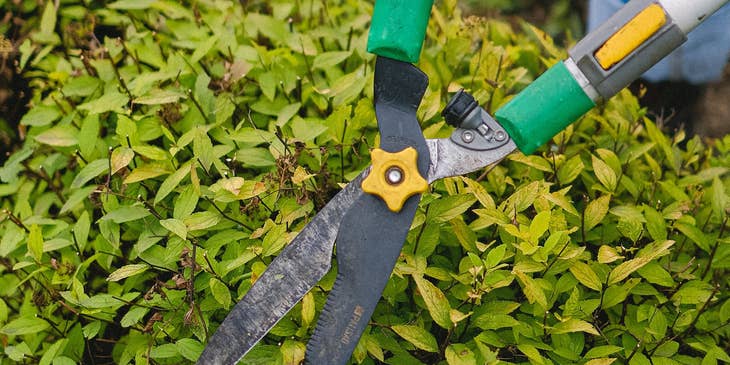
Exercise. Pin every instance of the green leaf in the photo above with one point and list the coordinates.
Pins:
(328, 59)
(602, 351)
(48, 25)
(418, 336)
(90, 171)
(574, 325)
(175, 226)
(220, 292)
(531, 289)
(201, 220)
(24, 326)
(41, 115)
(80, 86)
(35, 242)
(446, 208)
(625, 269)
(293, 352)
(604, 173)
(131, 4)
(656, 274)
(720, 199)
(134, 316)
(18, 353)
(459, 354)
(189, 348)
(585, 275)
(185, 203)
(539, 225)
(59, 136)
(601, 361)
(171, 182)
(595, 212)
(435, 300)
(532, 353)
(203, 48)
(145, 172)
(127, 271)
(655, 223)
(158, 97)
(126, 213)
(121, 157)
(307, 130)
(695, 234)
(164, 351)
(493, 321)
(110, 101)
(570, 170)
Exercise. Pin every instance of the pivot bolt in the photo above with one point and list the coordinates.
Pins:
(394, 175)
(467, 137)
(500, 136)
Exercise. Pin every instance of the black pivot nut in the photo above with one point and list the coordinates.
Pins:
(458, 109)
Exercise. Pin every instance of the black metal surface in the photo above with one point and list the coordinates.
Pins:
(292, 274)
(372, 236)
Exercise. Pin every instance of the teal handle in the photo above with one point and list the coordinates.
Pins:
(544, 108)
(398, 28)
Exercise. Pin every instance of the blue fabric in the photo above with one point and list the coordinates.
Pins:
(700, 60)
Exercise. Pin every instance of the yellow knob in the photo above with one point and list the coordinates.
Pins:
(394, 177)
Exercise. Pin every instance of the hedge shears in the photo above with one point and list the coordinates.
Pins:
(370, 218)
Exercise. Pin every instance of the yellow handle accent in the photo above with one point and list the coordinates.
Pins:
(394, 177)
(631, 36)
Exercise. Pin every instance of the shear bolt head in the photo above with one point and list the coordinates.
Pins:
(500, 136)
(394, 175)
(467, 136)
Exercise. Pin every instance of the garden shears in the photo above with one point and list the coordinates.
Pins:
(370, 218)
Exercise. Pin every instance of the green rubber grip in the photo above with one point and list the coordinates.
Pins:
(544, 108)
(398, 28)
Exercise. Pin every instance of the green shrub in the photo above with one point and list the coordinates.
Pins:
(171, 151)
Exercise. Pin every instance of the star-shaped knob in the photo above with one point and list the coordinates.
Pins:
(394, 177)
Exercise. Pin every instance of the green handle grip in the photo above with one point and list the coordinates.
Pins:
(544, 108)
(398, 28)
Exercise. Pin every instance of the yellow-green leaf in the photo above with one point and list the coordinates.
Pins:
(607, 254)
(418, 336)
(308, 309)
(59, 136)
(574, 325)
(604, 173)
(175, 226)
(35, 242)
(585, 275)
(459, 354)
(220, 292)
(171, 182)
(436, 302)
(24, 325)
(622, 271)
(532, 290)
(121, 157)
(601, 361)
(595, 212)
(127, 271)
(145, 172)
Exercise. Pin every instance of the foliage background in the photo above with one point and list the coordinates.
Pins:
(171, 150)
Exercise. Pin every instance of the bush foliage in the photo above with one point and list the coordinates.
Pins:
(172, 150)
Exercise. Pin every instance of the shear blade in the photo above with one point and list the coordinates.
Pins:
(288, 278)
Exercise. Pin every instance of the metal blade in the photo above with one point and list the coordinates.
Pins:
(288, 278)
(372, 235)
(366, 254)
(449, 159)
